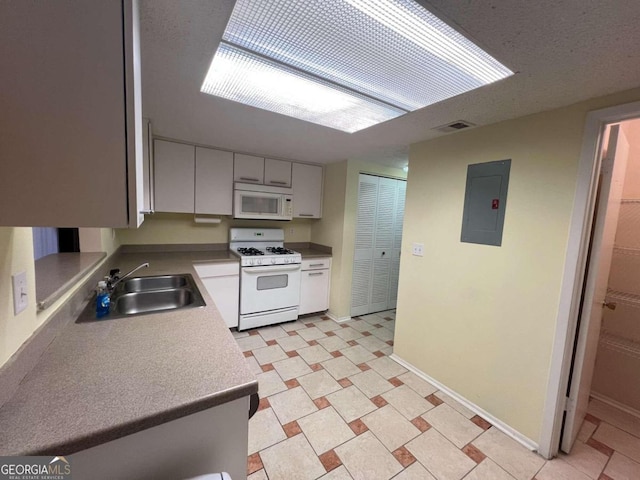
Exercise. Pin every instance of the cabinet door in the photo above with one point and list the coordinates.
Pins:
(314, 291)
(174, 172)
(214, 181)
(147, 178)
(248, 169)
(225, 292)
(316, 263)
(277, 173)
(306, 181)
(64, 143)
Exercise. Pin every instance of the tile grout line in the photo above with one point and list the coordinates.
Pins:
(359, 418)
(546, 462)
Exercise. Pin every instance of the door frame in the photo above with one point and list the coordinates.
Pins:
(574, 271)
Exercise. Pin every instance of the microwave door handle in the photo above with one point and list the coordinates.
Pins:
(269, 269)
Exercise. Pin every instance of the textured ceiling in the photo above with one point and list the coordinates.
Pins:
(563, 52)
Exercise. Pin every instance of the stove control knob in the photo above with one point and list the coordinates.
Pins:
(273, 261)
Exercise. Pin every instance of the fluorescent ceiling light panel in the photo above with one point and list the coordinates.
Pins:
(390, 55)
(243, 77)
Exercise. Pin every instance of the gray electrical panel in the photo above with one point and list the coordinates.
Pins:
(485, 201)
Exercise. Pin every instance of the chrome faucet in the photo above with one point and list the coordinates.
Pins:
(113, 279)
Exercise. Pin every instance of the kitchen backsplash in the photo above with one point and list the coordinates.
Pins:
(170, 228)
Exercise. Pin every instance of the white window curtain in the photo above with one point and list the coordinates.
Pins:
(45, 241)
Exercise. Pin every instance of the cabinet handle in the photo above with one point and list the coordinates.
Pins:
(146, 212)
(306, 214)
(316, 264)
(277, 182)
(249, 179)
(316, 273)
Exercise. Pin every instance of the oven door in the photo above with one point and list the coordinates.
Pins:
(269, 288)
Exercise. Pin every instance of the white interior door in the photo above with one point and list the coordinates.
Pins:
(377, 244)
(363, 256)
(383, 243)
(601, 250)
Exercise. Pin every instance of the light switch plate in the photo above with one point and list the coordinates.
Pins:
(418, 249)
(20, 297)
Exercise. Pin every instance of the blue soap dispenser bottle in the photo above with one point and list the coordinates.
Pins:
(102, 300)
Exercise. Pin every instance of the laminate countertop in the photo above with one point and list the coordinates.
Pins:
(312, 253)
(102, 380)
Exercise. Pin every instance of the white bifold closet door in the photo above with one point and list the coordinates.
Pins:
(376, 263)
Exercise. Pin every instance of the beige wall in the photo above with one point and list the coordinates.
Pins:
(98, 240)
(179, 228)
(337, 227)
(481, 319)
(329, 229)
(16, 255)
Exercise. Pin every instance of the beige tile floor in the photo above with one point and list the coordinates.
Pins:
(334, 406)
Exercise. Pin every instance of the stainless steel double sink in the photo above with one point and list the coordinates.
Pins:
(153, 294)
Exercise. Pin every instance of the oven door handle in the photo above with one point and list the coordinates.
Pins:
(269, 269)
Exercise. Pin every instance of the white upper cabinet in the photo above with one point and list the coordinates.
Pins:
(307, 190)
(190, 179)
(260, 170)
(214, 181)
(71, 122)
(277, 173)
(174, 173)
(248, 169)
(147, 167)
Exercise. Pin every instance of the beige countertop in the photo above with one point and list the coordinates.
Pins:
(310, 250)
(56, 273)
(103, 380)
(312, 253)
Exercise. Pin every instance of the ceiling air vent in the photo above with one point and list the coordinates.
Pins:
(455, 126)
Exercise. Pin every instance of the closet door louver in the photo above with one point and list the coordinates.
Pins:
(363, 257)
(377, 244)
(384, 236)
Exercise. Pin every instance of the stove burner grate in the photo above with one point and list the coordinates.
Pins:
(280, 251)
(250, 251)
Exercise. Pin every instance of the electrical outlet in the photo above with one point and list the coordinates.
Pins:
(291, 231)
(418, 249)
(20, 297)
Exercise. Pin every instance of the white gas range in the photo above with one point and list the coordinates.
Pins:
(269, 277)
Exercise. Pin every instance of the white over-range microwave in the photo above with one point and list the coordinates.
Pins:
(262, 202)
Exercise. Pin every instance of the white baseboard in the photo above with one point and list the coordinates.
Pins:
(335, 318)
(499, 424)
(615, 404)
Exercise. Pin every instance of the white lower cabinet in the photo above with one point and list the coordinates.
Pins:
(222, 281)
(212, 440)
(314, 285)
